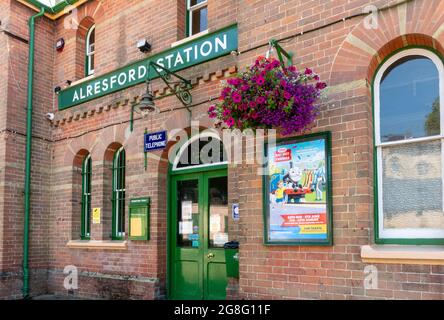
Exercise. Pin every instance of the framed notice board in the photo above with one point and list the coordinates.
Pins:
(297, 191)
(139, 219)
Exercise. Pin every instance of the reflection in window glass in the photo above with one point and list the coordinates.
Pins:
(409, 100)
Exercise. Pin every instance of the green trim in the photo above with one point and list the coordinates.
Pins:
(378, 239)
(265, 199)
(117, 176)
(56, 9)
(196, 170)
(85, 231)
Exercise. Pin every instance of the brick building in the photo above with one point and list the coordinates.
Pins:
(88, 162)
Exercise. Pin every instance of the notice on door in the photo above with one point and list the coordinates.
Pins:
(186, 227)
(187, 210)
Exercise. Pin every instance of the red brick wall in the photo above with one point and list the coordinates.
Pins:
(265, 272)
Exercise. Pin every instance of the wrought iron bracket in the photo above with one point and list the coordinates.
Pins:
(179, 86)
(282, 53)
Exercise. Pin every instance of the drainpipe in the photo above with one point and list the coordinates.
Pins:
(25, 289)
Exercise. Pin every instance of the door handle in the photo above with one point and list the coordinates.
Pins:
(210, 256)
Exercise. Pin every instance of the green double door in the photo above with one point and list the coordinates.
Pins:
(198, 232)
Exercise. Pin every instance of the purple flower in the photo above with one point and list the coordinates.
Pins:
(308, 72)
(236, 97)
(260, 81)
(212, 108)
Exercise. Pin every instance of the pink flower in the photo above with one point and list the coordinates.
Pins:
(245, 87)
(260, 81)
(236, 97)
(287, 95)
(212, 108)
(321, 85)
(253, 104)
(308, 72)
(275, 63)
(212, 115)
(292, 68)
(260, 100)
(230, 122)
(226, 112)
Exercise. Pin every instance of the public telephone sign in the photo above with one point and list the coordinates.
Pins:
(202, 49)
(156, 141)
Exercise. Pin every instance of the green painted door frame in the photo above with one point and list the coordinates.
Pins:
(194, 273)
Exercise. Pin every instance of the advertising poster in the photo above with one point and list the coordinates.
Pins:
(297, 208)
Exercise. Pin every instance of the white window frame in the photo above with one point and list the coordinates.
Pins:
(407, 233)
(90, 53)
(190, 10)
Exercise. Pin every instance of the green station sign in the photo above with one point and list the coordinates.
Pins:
(199, 50)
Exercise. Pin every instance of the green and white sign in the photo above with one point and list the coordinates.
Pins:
(202, 49)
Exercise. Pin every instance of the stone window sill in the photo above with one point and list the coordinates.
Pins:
(98, 245)
(429, 255)
(82, 80)
(190, 38)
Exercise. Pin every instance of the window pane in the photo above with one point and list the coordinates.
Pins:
(199, 20)
(412, 186)
(218, 212)
(410, 100)
(194, 2)
(92, 37)
(188, 214)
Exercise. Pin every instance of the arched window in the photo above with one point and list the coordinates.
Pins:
(201, 150)
(86, 198)
(90, 51)
(409, 140)
(118, 196)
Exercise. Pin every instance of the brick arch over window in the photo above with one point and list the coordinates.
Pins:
(363, 50)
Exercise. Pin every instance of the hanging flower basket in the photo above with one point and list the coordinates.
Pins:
(269, 95)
